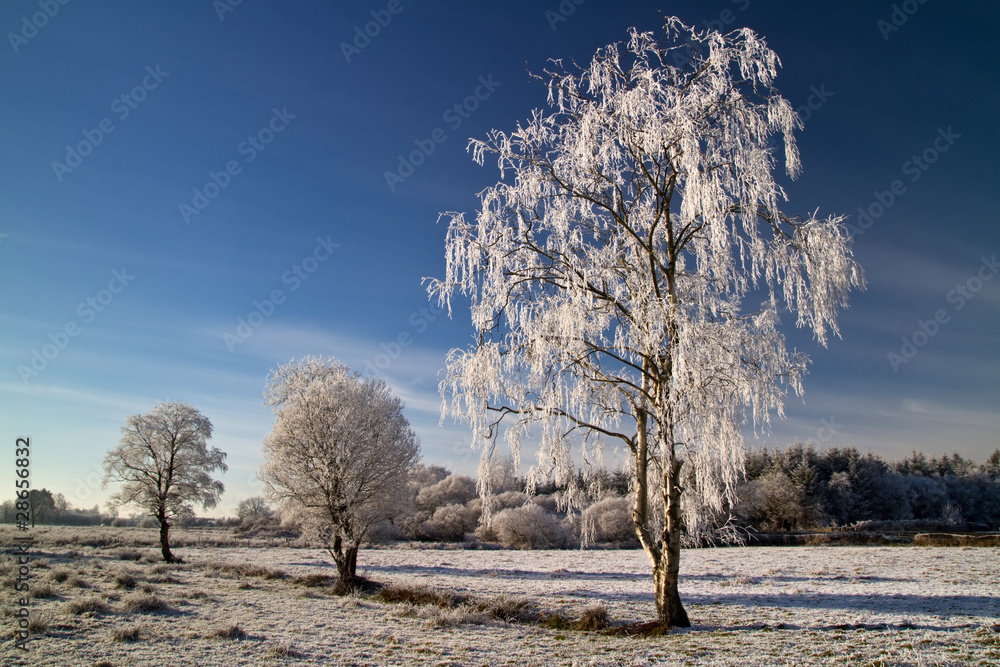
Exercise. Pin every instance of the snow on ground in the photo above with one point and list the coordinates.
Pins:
(749, 606)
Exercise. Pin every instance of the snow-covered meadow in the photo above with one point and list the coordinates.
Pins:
(749, 606)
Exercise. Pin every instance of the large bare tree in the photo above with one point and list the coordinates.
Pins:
(165, 466)
(628, 272)
(339, 453)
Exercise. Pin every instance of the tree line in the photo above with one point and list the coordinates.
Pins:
(800, 487)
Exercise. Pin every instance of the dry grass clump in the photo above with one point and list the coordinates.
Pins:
(165, 568)
(39, 624)
(126, 633)
(594, 617)
(280, 649)
(247, 570)
(418, 595)
(509, 609)
(142, 603)
(86, 604)
(76, 581)
(227, 632)
(42, 590)
(59, 574)
(313, 580)
(741, 580)
(129, 554)
(437, 617)
(124, 579)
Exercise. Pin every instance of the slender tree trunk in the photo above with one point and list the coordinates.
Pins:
(667, 573)
(664, 556)
(165, 540)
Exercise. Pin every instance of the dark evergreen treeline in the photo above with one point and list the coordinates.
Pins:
(800, 487)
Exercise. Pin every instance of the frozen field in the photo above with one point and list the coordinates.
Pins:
(749, 606)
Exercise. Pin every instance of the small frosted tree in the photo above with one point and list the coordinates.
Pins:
(165, 466)
(627, 273)
(253, 510)
(338, 454)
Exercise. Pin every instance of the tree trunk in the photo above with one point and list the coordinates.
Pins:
(346, 560)
(665, 555)
(165, 541)
(666, 573)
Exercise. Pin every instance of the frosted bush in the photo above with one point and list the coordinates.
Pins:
(458, 489)
(609, 520)
(528, 527)
(451, 522)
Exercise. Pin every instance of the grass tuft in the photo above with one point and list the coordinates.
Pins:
(59, 575)
(143, 603)
(86, 604)
(126, 633)
(227, 632)
(594, 617)
(123, 579)
(418, 595)
(42, 590)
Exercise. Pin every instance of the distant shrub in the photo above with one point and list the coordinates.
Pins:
(608, 520)
(453, 489)
(546, 501)
(528, 527)
(451, 522)
(508, 500)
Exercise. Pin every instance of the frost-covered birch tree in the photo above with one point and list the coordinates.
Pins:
(628, 271)
(339, 453)
(165, 465)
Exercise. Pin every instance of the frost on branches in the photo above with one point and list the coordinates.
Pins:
(165, 466)
(338, 453)
(627, 273)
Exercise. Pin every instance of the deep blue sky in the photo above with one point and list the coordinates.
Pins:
(210, 84)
